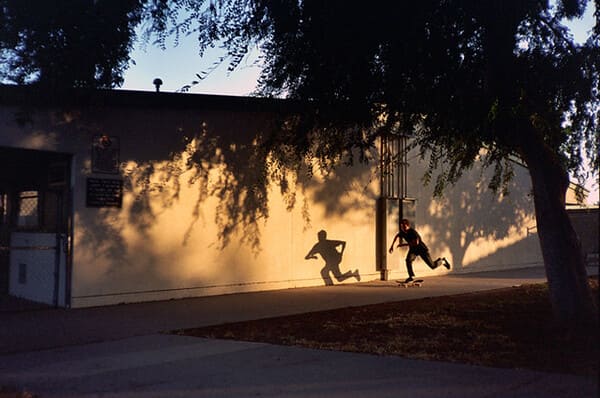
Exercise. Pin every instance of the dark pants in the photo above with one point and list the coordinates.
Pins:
(412, 255)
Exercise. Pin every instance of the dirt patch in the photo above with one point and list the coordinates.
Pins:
(510, 328)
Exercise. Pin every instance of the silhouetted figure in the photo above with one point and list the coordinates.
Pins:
(329, 252)
(416, 248)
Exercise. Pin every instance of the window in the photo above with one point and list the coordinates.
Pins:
(28, 216)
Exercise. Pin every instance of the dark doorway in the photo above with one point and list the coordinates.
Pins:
(35, 215)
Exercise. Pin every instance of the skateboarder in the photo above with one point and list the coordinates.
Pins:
(328, 250)
(416, 248)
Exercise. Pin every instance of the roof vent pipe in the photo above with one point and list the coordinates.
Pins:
(157, 83)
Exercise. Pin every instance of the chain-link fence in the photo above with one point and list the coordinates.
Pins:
(28, 215)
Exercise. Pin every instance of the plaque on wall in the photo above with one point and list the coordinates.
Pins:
(104, 192)
(105, 154)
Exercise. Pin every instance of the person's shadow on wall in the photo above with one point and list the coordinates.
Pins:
(329, 252)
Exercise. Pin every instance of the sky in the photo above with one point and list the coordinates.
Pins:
(179, 65)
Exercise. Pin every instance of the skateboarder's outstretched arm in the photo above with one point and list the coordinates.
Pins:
(399, 239)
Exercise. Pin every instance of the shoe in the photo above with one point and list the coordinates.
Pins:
(446, 263)
(409, 279)
(357, 275)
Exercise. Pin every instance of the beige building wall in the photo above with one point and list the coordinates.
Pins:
(166, 240)
(473, 227)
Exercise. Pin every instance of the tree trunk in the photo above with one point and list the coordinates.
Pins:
(564, 262)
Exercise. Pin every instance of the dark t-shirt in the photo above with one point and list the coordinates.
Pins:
(409, 236)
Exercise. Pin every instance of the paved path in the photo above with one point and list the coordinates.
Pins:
(119, 351)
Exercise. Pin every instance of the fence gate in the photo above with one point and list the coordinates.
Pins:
(34, 228)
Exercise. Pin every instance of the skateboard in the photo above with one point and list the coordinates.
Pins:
(416, 282)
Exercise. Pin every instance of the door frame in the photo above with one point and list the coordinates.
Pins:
(46, 225)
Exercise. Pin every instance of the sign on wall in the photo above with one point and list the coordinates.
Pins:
(104, 192)
(105, 154)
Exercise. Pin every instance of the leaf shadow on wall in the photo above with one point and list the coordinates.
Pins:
(223, 161)
(470, 213)
(240, 172)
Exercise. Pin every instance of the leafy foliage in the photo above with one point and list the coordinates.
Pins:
(458, 75)
(67, 43)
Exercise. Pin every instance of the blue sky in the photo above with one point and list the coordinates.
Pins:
(178, 65)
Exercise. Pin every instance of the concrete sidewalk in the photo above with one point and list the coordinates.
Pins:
(119, 351)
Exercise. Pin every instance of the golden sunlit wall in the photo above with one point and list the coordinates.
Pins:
(201, 214)
(475, 228)
(202, 211)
